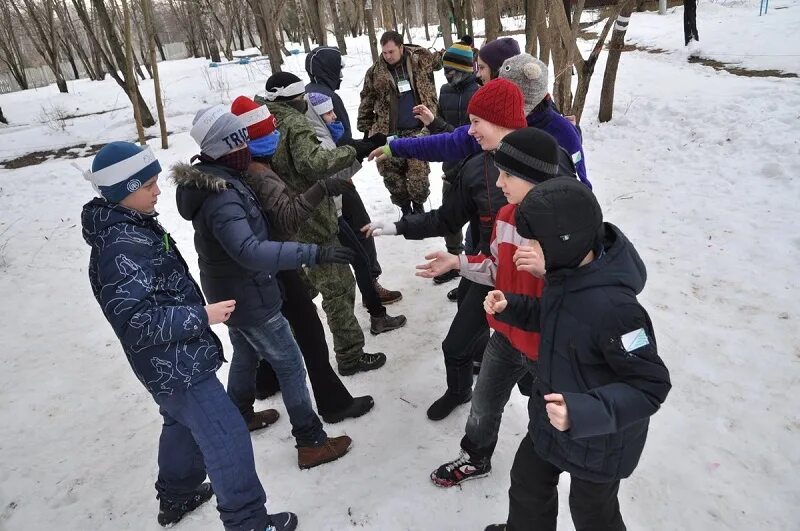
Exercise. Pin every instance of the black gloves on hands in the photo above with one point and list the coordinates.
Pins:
(378, 139)
(363, 148)
(333, 254)
(336, 186)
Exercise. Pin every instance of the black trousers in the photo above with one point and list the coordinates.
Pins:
(690, 21)
(362, 269)
(330, 394)
(355, 214)
(533, 497)
(466, 338)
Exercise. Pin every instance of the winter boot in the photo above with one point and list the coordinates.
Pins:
(367, 362)
(170, 513)
(495, 527)
(461, 469)
(446, 404)
(452, 295)
(417, 208)
(385, 323)
(330, 450)
(282, 522)
(266, 381)
(262, 419)
(446, 277)
(360, 406)
(405, 210)
(387, 296)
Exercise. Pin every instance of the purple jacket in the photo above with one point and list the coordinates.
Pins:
(546, 118)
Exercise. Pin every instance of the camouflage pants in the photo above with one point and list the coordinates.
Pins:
(338, 288)
(406, 179)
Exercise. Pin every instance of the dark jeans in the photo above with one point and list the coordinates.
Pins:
(533, 497)
(503, 366)
(455, 240)
(330, 394)
(356, 216)
(272, 340)
(690, 21)
(203, 434)
(362, 270)
(469, 333)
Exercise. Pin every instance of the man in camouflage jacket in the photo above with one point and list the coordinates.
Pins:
(401, 79)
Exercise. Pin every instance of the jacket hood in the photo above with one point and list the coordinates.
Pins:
(98, 215)
(195, 184)
(619, 266)
(324, 66)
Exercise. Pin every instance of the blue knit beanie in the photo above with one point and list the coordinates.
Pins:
(121, 168)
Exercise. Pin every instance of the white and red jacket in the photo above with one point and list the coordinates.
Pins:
(498, 270)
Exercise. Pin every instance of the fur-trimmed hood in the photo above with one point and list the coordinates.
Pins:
(195, 184)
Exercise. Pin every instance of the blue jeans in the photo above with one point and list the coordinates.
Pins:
(503, 366)
(272, 340)
(203, 434)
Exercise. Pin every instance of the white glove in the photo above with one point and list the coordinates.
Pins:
(380, 228)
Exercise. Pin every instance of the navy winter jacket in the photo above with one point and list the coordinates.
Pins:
(599, 351)
(452, 113)
(232, 238)
(324, 69)
(145, 291)
(475, 198)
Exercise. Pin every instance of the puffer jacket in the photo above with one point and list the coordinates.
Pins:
(237, 258)
(453, 102)
(377, 112)
(598, 350)
(144, 288)
(301, 160)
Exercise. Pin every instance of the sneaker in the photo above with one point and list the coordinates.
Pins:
(387, 296)
(452, 295)
(460, 470)
(495, 527)
(262, 419)
(445, 405)
(417, 208)
(282, 522)
(360, 406)
(367, 362)
(385, 323)
(332, 449)
(170, 513)
(446, 277)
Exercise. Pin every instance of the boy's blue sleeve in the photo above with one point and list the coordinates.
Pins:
(629, 347)
(435, 148)
(228, 221)
(128, 284)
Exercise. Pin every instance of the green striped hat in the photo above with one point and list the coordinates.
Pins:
(460, 56)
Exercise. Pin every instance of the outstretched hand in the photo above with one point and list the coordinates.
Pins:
(440, 262)
(379, 228)
(378, 154)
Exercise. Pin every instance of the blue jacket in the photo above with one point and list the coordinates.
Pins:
(148, 296)
(232, 238)
(547, 118)
(453, 146)
(598, 350)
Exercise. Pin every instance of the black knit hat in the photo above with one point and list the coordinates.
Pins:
(563, 215)
(284, 86)
(529, 154)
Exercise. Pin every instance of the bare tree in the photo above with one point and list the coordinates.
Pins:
(338, 30)
(10, 51)
(132, 88)
(491, 13)
(147, 11)
(40, 21)
(443, 7)
(612, 63)
(369, 21)
(315, 12)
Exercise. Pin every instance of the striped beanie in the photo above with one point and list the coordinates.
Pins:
(320, 103)
(460, 56)
(529, 153)
(256, 118)
(121, 168)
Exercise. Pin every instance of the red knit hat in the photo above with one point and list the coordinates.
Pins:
(500, 102)
(256, 117)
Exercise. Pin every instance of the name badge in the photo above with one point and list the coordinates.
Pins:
(403, 86)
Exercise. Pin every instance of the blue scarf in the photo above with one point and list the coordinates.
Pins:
(337, 130)
(266, 145)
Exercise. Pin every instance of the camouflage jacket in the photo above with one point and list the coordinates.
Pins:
(301, 161)
(378, 110)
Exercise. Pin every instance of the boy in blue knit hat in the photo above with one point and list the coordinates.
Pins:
(157, 310)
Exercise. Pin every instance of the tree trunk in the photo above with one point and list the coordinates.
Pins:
(369, 21)
(443, 8)
(387, 13)
(468, 18)
(530, 26)
(406, 25)
(159, 46)
(425, 19)
(338, 30)
(315, 12)
(491, 13)
(612, 64)
(147, 11)
(272, 44)
(71, 59)
(132, 88)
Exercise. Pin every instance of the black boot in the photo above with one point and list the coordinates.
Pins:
(405, 209)
(446, 277)
(452, 295)
(266, 381)
(366, 362)
(417, 208)
(446, 404)
(360, 406)
(171, 512)
(385, 323)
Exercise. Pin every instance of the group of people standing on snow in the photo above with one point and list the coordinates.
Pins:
(277, 221)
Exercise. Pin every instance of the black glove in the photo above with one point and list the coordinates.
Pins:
(333, 254)
(378, 140)
(363, 148)
(336, 186)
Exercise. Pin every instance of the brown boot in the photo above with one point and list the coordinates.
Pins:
(330, 450)
(262, 419)
(387, 296)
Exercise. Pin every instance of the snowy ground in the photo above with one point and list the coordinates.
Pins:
(698, 167)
